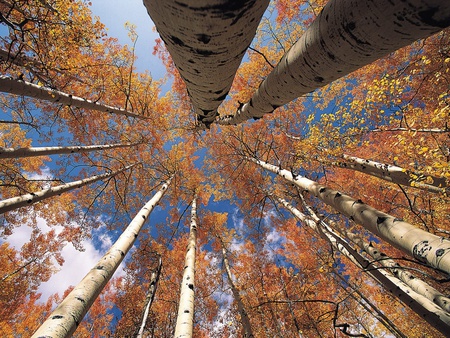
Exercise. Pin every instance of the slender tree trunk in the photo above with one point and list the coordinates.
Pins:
(43, 151)
(24, 88)
(433, 314)
(248, 332)
(422, 245)
(185, 320)
(150, 297)
(394, 174)
(345, 36)
(207, 40)
(372, 308)
(28, 199)
(64, 320)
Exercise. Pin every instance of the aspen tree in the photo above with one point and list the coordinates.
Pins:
(345, 36)
(24, 88)
(43, 151)
(207, 41)
(64, 320)
(28, 199)
(432, 313)
(150, 297)
(245, 321)
(185, 318)
(393, 173)
(418, 243)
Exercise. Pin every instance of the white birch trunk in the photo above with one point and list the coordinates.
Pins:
(185, 320)
(64, 320)
(433, 314)
(24, 88)
(415, 283)
(44, 151)
(28, 199)
(345, 36)
(422, 245)
(150, 296)
(394, 174)
(248, 332)
(206, 40)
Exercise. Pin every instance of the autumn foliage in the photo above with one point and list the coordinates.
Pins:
(285, 278)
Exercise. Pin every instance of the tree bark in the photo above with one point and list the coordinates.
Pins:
(420, 244)
(248, 332)
(207, 41)
(44, 151)
(394, 174)
(28, 199)
(433, 314)
(64, 320)
(24, 88)
(345, 36)
(185, 320)
(150, 297)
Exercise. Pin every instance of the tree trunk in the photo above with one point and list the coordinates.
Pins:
(28, 199)
(345, 36)
(206, 40)
(417, 284)
(433, 314)
(24, 88)
(185, 320)
(150, 297)
(64, 320)
(420, 244)
(394, 174)
(248, 332)
(43, 151)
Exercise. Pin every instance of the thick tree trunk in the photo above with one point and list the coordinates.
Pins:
(44, 151)
(345, 36)
(24, 88)
(433, 314)
(64, 320)
(185, 319)
(420, 244)
(28, 199)
(248, 332)
(394, 174)
(206, 40)
(150, 297)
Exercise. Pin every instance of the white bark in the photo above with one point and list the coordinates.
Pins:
(422, 245)
(24, 88)
(416, 284)
(44, 151)
(185, 320)
(28, 199)
(433, 314)
(345, 36)
(394, 174)
(206, 40)
(248, 332)
(64, 320)
(150, 296)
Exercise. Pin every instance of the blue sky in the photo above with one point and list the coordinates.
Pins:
(115, 13)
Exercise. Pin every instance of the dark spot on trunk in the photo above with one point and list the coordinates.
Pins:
(381, 219)
(439, 252)
(57, 317)
(191, 286)
(177, 41)
(203, 38)
(80, 299)
(427, 17)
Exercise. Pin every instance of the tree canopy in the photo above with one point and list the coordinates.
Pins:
(298, 163)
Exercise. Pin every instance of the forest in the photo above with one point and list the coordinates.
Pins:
(288, 177)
